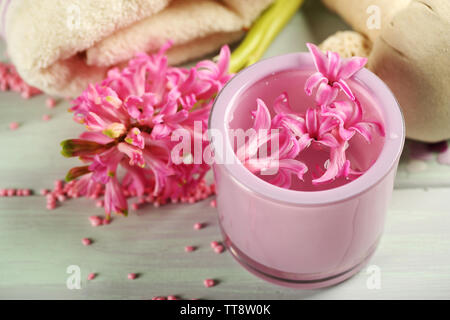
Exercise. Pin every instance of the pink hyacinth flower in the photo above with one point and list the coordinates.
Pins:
(350, 114)
(130, 117)
(337, 166)
(280, 163)
(332, 73)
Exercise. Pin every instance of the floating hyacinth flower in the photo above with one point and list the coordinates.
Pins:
(329, 127)
(332, 73)
(130, 117)
(280, 163)
(350, 114)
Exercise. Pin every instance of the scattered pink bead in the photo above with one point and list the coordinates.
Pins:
(3, 192)
(213, 203)
(86, 241)
(95, 221)
(99, 203)
(444, 157)
(106, 221)
(13, 125)
(26, 192)
(199, 226)
(219, 248)
(91, 276)
(61, 197)
(51, 206)
(214, 244)
(132, 276)
(44, 192)
(172, 298)
(46, 117)
(209, 283)
(11, 192)
(189, 248)
(134, 206)
(50, 103)
(159, 298)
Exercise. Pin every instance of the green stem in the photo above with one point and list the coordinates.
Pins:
(262, 33)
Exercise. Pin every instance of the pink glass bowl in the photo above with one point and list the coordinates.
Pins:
(303, 239)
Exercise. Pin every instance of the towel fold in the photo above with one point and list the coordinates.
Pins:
(60, 46)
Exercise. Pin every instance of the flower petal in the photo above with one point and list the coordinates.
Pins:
(333, 65)
(294, 166)
(326, 94)
(320, 59)
(96, 137)
(350, 66)
(281, 104)
(261, 116)
(313, 81)
(346, 88)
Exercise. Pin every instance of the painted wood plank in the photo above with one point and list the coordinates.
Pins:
(36, 247)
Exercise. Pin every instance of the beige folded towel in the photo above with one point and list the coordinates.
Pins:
(59, 46)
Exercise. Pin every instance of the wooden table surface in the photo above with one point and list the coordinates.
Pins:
(37, 246)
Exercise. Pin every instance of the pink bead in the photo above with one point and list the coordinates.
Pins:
(209, 283)
(46, 117)
(99, 203)
(219, 248)
(199, 226)
(214, 244)
(172, 298)
(26, 192)
(91, 276)
(95, 221)
(134, 206)
(213, 203)
(132, 276)
(3, 192)
(189, 248)
(86, 241)
(51, 206)
(19, 192)
(13, 125)
(43, 192)
(61, 197)
(159, 298)
(106, 221)
(50, 102)
(11, 192)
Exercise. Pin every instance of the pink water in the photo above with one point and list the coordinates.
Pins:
(361, 154)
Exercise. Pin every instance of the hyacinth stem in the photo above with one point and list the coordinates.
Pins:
(262, 33)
